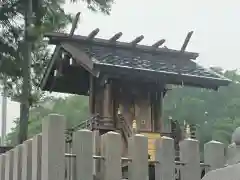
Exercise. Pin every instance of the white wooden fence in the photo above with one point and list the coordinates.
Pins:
(44, 156)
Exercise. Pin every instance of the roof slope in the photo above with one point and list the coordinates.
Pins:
(175, 67)
(148, 62)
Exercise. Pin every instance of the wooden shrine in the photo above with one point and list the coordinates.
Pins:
(125, 81)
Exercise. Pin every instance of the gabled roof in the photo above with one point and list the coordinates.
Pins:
(130, 59)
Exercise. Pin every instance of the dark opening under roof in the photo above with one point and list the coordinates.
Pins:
(119, 59)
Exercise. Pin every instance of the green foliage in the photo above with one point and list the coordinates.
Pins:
(53, 18)
(103, 6)
(48, 16)
(74, 108)
(216, 113)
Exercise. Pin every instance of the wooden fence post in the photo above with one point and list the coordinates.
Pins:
(111, 151)
(9, 165)
(17, 165)
(83, 148)
(2, 166)
(53, 147)
(138, 152)
(189, 154)
(165, 155)
(36, 157)
(214, 155)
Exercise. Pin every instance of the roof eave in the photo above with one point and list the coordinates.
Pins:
(80, 57)
(171, 78)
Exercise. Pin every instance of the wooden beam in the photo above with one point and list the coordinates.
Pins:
(116, 37)
(187, 39)
(50, 64)
(74, 24)
(137, 40)
(159, 43)
(93, 34)
(81, 58)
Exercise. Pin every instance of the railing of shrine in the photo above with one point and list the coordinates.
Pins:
(44, 157)
(232, 166)
(125, 127)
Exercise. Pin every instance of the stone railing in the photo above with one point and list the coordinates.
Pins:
(44, 157)
(232, 166)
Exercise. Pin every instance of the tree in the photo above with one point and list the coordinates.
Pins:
(74, 108)
(53, 18)
(49, 16)
(16, 40)
(216, 113)
(103, 6)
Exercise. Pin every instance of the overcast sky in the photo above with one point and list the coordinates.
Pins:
(215, 24)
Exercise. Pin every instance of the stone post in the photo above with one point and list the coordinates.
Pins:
(189, 154)
(2, 166)
(36, 157)
(53, 147)
(96, 151)
(165, 155)
(17, 165)
(234, 153)
(111, 151)
(138, 152)
(237, 154)
(9, 165)
(83, 148)
(231, 151)
(27, 160)
(214, 155)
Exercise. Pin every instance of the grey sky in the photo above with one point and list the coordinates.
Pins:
(216, 31)
(215, 23)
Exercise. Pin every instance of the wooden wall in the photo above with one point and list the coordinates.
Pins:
(135, 102)
(143, 111)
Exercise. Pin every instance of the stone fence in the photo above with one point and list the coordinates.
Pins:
(232, 166)
(44, 157)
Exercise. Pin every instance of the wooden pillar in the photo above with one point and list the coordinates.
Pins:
(92, 95)
(107, 100)
(115, 103)
(160, 116)
(157, 111)
(98, 104)
(154, 111)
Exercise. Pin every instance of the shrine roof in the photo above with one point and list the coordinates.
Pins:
(111, 56)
